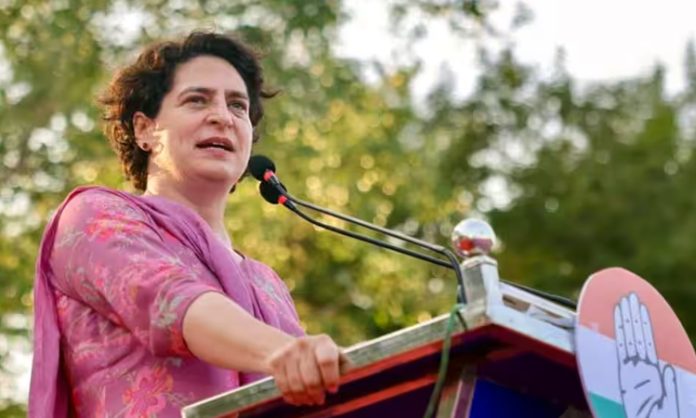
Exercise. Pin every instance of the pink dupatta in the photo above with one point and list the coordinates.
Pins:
(50, 393)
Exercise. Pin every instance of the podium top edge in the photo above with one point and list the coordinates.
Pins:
(422, 336)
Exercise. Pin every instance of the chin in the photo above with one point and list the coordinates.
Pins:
(223, 178)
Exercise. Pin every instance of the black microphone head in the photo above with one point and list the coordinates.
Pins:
(269, 192)
(258, 164)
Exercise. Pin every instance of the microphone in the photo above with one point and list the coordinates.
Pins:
(263, 169)
(272, 195)
(259, 164)
(273, 191)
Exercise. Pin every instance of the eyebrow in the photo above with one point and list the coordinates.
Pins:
(208, 92)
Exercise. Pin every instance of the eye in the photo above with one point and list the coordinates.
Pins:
(196, 99)
(238, 105)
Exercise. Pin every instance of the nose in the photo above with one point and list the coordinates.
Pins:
(220, 115)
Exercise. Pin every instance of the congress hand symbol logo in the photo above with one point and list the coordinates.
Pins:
(648, 390)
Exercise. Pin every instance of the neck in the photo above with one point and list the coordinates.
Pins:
(208, 203)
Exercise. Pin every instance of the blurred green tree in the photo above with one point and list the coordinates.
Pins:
(340, 132)
(573, 179)
(576, 179)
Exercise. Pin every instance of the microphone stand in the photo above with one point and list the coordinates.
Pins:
(290, 202)
(453, 263)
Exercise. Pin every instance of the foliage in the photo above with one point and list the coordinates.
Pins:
(573, 179)
(577, 180)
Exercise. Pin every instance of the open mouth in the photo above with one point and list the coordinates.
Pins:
(214, 146)
(221, 143)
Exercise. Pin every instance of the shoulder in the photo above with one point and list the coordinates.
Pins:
(259, 267)
(100, 199)
(262, 270)
(85, 204)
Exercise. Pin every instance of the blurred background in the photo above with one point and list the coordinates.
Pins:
(569, 126)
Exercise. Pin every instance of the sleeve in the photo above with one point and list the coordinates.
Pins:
(285, 294)
(280, 289)
(109, 255)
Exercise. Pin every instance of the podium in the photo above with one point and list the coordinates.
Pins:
(512, 355)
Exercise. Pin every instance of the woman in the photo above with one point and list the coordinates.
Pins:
(142, 304)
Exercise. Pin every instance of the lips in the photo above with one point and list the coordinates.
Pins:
(216, 142)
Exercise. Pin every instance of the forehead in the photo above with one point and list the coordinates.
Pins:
(209, 72)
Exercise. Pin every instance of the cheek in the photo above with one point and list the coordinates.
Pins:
(246, 132)
(181, 142)
(164, 158)
(184, 132)
(171, 152)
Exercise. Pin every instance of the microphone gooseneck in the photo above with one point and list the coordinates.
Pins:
(273, 196)
(263, 169)
(273, 191)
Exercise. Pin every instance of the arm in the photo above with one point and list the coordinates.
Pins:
(246, 346)
(304, 368)
(109, 256)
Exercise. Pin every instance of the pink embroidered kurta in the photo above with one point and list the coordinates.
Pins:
(115, 276)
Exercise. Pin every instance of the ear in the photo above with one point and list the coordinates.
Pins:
(143, 127)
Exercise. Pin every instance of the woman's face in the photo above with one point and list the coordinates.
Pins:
(202, 134)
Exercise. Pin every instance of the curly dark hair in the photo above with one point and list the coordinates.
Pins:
(141, 86)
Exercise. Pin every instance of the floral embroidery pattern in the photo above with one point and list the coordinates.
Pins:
(122, 284)
(147, 395)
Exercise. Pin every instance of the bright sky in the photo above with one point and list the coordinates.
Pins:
(603, 39)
